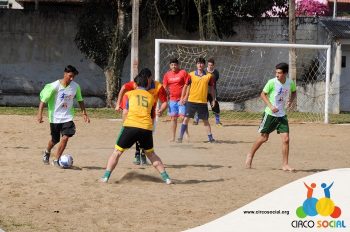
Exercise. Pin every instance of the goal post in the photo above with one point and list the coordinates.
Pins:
(245, 68)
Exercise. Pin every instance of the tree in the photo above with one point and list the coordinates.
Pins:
(218, 16)
(311, 8)
(104, 30)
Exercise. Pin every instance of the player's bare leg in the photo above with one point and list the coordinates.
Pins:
(285, 153)
(113, 160)
(50, 145)
(259, 141)
(208, 130)
(249, 160)
(173, 128)
(61, 146)
(111, 164)
(158, 164)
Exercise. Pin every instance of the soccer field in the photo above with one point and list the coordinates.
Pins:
(210, 179)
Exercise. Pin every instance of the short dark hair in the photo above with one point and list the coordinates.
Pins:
(174, 60)
(283, 66)
(200, 60)
(71, 69)
(211, 60)
(142, 78)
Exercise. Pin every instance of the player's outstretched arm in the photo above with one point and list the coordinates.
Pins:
(125, 114)
(264, 97)
(120, 97)
(162, 108)
(184, 94)
(83, 111)
(213, 94)
(40, 112)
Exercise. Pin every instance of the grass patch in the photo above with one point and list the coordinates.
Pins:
(92, 112)
(12, 224)
(225, 115)
(18, 110)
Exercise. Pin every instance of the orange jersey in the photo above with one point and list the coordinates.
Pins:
(139, 103)
(199, 86)
(156, 89)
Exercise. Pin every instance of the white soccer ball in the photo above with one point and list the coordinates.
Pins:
(66, 161)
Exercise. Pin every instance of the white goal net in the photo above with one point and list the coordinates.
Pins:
(246, 67)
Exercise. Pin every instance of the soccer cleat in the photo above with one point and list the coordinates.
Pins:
(179, 140)
(137, 159)
(168, 181)
(143, 159)
(103, 180)
(55, 163)
(46, 158)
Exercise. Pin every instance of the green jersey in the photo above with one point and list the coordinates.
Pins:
(278, 94)
(60, 100)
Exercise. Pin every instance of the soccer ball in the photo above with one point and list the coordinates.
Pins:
(66, 161)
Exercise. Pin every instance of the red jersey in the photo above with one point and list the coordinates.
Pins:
(174, 82)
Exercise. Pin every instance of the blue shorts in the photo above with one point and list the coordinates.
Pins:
(175, 109)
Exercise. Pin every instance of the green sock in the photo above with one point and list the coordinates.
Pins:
(107, 174)
(164, 175)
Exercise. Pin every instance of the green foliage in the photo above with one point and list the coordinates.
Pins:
(226, 12)
(95, 30)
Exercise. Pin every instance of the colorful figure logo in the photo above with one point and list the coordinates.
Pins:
(323, 206)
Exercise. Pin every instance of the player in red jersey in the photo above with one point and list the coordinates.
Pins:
(173, 81)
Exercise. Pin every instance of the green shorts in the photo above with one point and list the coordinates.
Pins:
(270, 123)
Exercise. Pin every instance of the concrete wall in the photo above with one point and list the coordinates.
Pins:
(35, 48)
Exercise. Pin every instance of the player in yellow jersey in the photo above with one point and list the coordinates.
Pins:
(194, 94)
(158, 92)
(137, 127)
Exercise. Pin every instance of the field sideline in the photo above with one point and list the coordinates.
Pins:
(210, 179)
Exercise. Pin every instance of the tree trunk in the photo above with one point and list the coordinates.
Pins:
(292, 40)
(292, 51)
(120, 44)
(200, 19)
(111, 86)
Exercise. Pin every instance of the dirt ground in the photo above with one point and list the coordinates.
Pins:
(210, 179)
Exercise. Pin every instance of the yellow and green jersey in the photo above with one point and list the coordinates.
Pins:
(139, 104)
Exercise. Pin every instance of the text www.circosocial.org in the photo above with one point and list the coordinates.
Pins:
(285, 212)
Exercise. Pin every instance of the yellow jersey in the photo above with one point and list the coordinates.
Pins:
(199, 86)
(139, 103)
